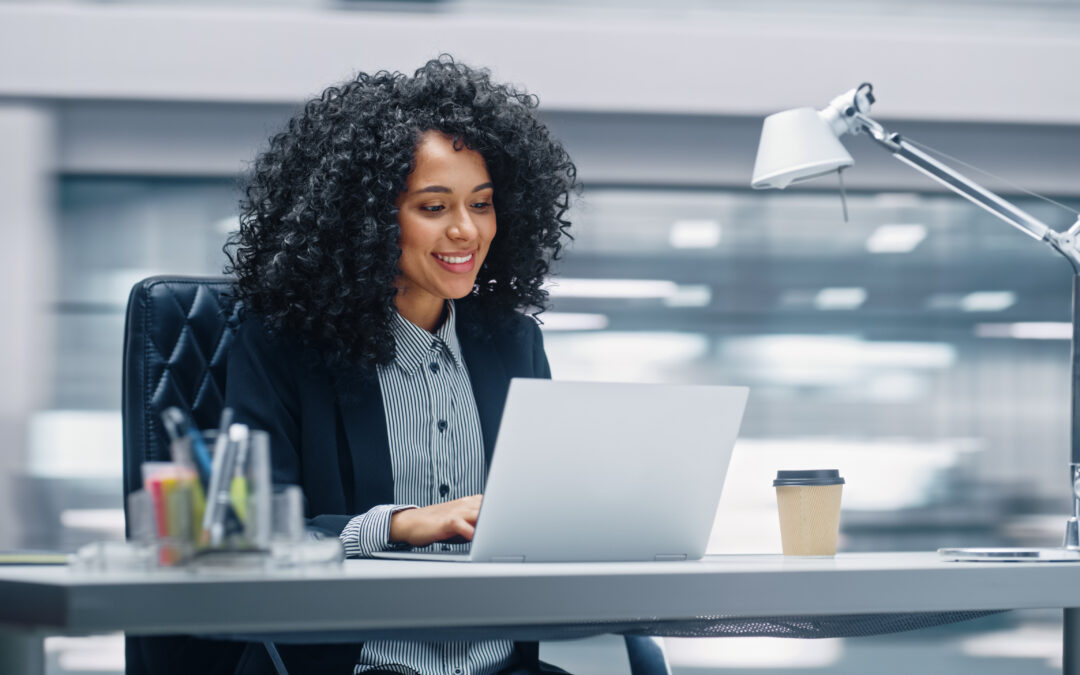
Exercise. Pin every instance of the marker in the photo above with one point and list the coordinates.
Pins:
(178, 425)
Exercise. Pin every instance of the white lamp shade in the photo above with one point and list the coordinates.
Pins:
(796, 145)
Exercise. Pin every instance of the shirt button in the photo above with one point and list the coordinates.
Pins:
(444, 490)
(434, 344)
(434, 367)
(442, 425)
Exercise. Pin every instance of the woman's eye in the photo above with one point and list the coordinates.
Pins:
(481, 205)
(435, 208)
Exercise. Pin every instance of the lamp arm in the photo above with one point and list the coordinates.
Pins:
(1064, 243)
(847, 114)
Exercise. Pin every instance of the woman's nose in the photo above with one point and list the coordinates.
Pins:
(462, 226)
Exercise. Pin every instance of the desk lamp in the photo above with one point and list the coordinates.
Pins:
(803, 143)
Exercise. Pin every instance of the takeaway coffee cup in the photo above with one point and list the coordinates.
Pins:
(809, 505)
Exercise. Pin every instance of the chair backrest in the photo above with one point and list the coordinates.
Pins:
(176, 344)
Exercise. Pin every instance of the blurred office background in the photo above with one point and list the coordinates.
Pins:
(920, 347)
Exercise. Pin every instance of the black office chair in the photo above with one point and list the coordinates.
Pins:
(176, 345)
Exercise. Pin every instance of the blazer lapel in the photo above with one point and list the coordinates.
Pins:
(363, 422)
(489, 384)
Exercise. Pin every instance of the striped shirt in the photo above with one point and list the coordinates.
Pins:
(436, 455)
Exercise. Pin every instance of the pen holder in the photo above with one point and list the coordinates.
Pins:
(249, 522)
(229, 507)
(239, 506)
(214, 507)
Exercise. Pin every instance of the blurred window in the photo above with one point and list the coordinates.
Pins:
(921, 346)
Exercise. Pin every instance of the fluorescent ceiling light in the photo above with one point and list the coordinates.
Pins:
(573, 321)
(690, 295)
(895, 238)
(988, 301)
(673, 294)
(944, 301)
(834, 353)
(1026, 330)
(840, 298)
(695, 234)
(617, 356)
(611, 288)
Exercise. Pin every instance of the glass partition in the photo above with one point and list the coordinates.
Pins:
(921, 348)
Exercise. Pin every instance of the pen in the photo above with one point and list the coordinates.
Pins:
(217, 477)
(178, 425)
(238, 488)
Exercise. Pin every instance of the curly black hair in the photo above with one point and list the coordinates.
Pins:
(316, 255)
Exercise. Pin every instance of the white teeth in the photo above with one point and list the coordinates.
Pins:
(454, 260)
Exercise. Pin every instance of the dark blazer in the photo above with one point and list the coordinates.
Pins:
(328, 429)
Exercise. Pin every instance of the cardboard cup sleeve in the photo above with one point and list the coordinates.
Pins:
(809, 507)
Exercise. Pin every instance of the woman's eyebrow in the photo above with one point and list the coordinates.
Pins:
(444, 189)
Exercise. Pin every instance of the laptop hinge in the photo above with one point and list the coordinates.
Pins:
(507, 558)
(664, 557)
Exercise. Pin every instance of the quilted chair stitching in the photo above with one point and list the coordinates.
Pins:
(147, 315)
(168, 359)
(149, 337)
(187, 320)
(161, 385)
(217, 346)
(184, 332)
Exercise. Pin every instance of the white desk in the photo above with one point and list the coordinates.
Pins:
(368, 596)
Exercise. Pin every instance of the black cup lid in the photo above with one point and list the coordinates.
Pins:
(813, 477)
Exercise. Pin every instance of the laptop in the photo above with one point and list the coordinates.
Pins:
(592, 472)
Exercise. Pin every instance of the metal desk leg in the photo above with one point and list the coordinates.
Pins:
(1070, 642)
(22, 653)
(646, 655)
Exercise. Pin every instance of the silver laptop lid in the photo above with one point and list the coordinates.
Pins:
(589, 471)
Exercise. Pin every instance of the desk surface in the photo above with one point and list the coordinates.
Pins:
(366, 596)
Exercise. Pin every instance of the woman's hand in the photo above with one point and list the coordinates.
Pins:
(420, 527)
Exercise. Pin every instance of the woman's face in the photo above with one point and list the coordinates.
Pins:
(447, 222)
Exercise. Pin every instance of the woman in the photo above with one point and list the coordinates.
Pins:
(390, 239)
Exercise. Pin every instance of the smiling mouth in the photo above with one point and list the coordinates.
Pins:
(454, 260)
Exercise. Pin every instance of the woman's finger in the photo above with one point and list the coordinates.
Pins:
(464, 528)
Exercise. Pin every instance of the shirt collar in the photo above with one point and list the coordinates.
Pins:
(414, 345)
